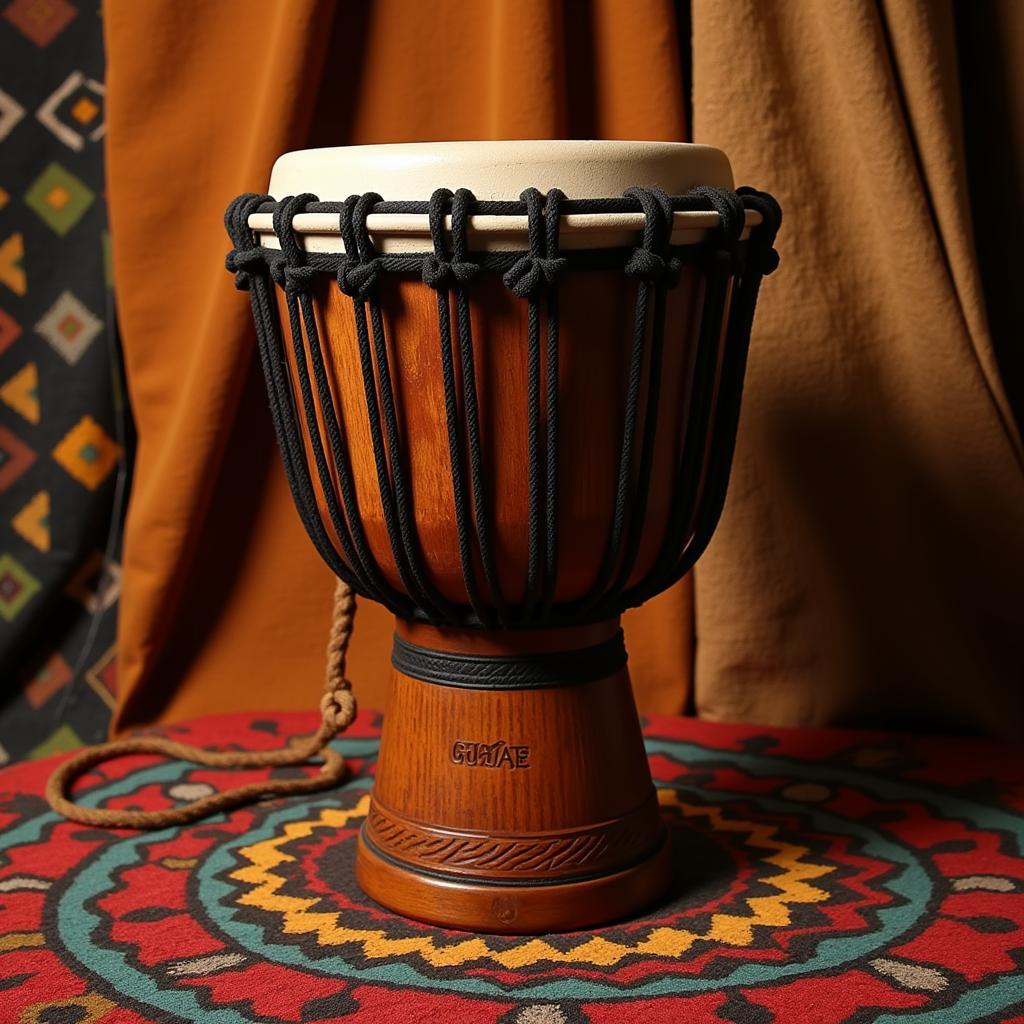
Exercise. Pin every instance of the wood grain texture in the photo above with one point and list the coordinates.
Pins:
(575, 804)
(597, 310)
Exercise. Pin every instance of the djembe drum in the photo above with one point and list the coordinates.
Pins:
(507, 412)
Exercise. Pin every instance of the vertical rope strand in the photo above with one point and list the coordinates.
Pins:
(657, 208)
(463, 273)
(643, 265)
(533, 201)
(438, 204)
(552, 224)
(682, 504)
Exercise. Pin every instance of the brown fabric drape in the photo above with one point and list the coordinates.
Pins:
(868, 562)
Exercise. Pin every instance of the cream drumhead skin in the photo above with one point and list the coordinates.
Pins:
(495, 171)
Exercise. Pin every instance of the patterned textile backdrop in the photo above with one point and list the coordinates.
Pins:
(62, 439)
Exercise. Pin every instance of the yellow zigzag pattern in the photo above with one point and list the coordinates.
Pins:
(299, 917)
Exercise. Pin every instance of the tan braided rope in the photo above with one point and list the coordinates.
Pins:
(337, 709)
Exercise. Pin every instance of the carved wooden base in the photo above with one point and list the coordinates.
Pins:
(512, 791)
(513, 909)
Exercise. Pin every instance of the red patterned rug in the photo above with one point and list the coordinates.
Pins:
(820, 877)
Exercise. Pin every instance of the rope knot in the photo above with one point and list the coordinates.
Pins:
(649, 266)
(769, 260)
(358, 280)
(242, 263)
(297, 278)
(529, 274)
(437, 272)
(338, 707)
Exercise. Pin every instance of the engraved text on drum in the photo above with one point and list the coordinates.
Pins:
(490, 755)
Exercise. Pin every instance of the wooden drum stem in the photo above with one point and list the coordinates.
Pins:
(512, 792)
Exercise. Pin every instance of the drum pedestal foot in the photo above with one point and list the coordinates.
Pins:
(513, 909)
(512, 793)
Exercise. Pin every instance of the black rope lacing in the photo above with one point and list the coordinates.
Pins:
(552, 223)
(297, 277)
(442, 273)
(463, 274)
(731, 270)
(384, 436)
(654, 267)
(245, 260)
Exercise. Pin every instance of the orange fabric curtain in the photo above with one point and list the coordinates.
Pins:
(225, 604)
(868, 564)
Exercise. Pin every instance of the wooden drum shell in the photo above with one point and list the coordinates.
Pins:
(596, 316)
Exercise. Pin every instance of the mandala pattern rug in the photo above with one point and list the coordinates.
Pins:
(820, 876)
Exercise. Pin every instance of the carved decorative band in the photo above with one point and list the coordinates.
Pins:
(521, 672)
(538, 857)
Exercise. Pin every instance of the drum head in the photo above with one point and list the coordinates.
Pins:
(495, 171)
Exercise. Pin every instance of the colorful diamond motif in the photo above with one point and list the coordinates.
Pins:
(40, 20)
(69, 327)
(11, 112)
(21, 392)
(87, 453)
(33, 521)
(102, 677)
(15, 457)
(17, 587)
(51, 678)
(12, 273)
(52, 228)
(59, 198)
(84, 110)
(9, 330)
(60, 740)
(73, 109)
